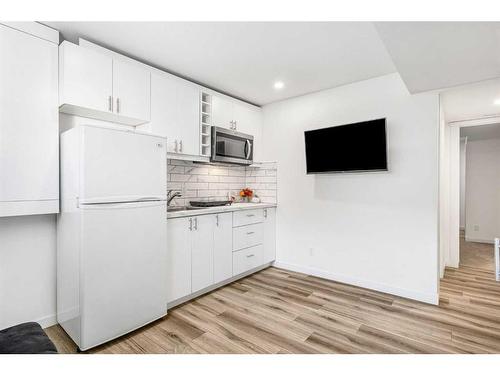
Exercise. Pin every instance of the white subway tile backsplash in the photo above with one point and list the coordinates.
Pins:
(218, 186)
(196, 185)
(207, 178)
(196, 170)
(217, 182)
(218, 171)
(175, 177)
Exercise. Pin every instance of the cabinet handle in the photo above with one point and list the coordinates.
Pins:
(110, 103)
(176, 145)
(249, 233)
(195, 223)
(250, 215)
(117, 105)
(265, 213)
(190, 224)
(235, 125)
(217, 220)
(180, 145)
(251, 255)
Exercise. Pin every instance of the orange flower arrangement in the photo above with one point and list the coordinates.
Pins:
(246, 193)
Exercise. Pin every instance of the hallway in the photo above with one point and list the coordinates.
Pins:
(476, 255)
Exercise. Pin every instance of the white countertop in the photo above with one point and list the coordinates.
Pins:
(219, 209)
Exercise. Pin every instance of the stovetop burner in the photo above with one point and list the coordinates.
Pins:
(209, 203)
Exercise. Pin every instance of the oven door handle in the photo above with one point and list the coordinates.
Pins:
(248, 149)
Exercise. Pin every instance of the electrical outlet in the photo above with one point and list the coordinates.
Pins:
(476, 228)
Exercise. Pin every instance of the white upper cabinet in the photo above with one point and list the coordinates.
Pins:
(29, 128)
(86, 78)
(244, 118)
(188, 107)
(222, 112)
(131, 90)
(175, 111)
(96, 85)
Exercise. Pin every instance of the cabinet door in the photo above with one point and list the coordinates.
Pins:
(86, 78)
(188, 117)
(29, 128)
(269, 235)
(164, 109)
(131, 90)
(202, 252)
(223, 247)
(179, 258)
(246, 117)
(222, 112)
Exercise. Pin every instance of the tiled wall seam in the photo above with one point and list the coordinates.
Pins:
(217, 182)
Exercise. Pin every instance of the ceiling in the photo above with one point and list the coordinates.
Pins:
(435, 55)
(244, 59)
(472, 101)
(483, 132)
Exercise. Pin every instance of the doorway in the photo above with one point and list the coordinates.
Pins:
(479, 195)
(469, 187)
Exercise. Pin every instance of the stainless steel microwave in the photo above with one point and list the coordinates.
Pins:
(229, 146)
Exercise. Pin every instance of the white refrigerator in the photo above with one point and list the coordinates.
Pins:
(111, 233)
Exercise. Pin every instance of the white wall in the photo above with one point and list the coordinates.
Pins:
(444, 191)
(27, 270)
(463, 147)
(376, 230)
(454, 196)
(483, 190)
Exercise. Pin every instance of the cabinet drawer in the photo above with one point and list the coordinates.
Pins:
(248, 217)
(248, 235)
(247, 259)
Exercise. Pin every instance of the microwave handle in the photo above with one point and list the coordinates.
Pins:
(248, 149)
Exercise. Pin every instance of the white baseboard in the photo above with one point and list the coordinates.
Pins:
(47, 321)
(480, 240)
(422, 297)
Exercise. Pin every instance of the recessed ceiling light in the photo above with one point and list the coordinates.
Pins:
(278, 85)
(496, 101)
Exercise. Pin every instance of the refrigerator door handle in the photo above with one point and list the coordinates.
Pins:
(150, 199)
(121, 205)
(121, 199)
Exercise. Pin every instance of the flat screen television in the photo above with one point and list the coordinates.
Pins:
(357, 147)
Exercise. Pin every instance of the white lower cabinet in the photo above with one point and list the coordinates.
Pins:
(179, 258)
(246, 259)
(223, 247)
(247, 236)
(202, 252)
(206, 250)
(269, 235)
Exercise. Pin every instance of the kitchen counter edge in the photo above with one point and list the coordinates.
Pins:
(219, 209)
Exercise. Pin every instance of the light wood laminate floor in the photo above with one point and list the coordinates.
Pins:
(276, 311)
(477, 255)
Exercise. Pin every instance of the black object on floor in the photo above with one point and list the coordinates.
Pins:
(26, 338)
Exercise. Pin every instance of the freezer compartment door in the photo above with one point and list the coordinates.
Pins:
(121, 165)
(124, 269)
